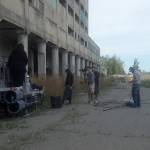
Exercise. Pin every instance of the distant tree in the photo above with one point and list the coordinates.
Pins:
(113, 65)
(136, 64)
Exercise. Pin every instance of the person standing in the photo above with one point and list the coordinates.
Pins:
(97, 75)
(90, 79)
(135, 86)
(17, 62)
(67, 95)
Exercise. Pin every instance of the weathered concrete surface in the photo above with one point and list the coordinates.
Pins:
(82, 126)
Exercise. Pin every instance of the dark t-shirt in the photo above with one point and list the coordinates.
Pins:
(90, 77)
(97, 75)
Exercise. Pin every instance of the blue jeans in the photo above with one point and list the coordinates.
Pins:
(136, 95)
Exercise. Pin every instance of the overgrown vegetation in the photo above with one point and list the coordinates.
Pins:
(54, 86)
(114, 65)
(145, 80)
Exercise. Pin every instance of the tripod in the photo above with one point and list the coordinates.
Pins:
(87, 87)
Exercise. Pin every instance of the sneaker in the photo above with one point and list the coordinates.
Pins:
(96, 103)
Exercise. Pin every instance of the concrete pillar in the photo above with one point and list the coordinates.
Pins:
(87, 63)
(55, 61)
(90, 64)
(42, 58)
(64, 61)
(82, 63)
(77, 61)
(23, 38)
(72, 63)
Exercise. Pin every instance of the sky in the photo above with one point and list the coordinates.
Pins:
(122, 28)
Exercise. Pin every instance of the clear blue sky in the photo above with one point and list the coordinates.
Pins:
(122, 27)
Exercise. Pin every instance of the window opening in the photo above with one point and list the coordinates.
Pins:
(86, 29)
(77, 1)
(63, 3)
(86, 14)
(31, 2)
(41, 6)
(82, 8)
(82, 25)
(70, 31)
(70, 11)
(82, 41)
(77, 18)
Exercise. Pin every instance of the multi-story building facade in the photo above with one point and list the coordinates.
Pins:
(53, 32)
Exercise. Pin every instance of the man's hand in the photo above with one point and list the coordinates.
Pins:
(130, 81)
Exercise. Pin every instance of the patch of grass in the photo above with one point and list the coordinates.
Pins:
(71, 117)
(13, 123)
(15, 142)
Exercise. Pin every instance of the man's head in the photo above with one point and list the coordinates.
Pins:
(94, 68)
(68, 71)
(131, 69)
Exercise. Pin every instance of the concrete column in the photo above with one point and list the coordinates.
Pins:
(90, 64)
(64, 61)
(55, 61)
(87, 63)
(82, 63)
(72, 63)
(42, 58)
(77, 61)
(23, 38)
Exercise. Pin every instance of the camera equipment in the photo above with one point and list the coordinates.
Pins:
(83, 69)
(84, 82)
(14, 100)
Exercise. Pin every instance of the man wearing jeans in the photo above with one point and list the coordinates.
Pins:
(136, 86)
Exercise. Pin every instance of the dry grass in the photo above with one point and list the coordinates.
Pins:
(55, 85)
(145, 80)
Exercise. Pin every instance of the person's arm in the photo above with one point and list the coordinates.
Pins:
(26, 59)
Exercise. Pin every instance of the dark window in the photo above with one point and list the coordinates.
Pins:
(31, 1)
(70, 31)
(77, 18)
(82, 25)
(77, 1)
(82, 8)
(41, 6)
(86, 29)
(63, 3)
(70, 10)
(82, 41)
(86, 14)
(86, 44)
(75, 35)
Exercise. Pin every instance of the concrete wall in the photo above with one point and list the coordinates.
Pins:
(48, 21)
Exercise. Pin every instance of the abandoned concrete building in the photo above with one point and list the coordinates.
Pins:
(53, 32)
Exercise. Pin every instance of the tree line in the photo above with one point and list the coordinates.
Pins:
(113, 65)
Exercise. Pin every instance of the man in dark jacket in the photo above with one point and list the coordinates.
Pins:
(68, 86)
(17, 62)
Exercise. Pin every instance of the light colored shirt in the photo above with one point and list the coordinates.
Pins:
(137, 77)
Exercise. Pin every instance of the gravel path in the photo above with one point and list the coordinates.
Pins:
(81, 126)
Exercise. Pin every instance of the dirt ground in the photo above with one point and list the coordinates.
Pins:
(82, 126)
